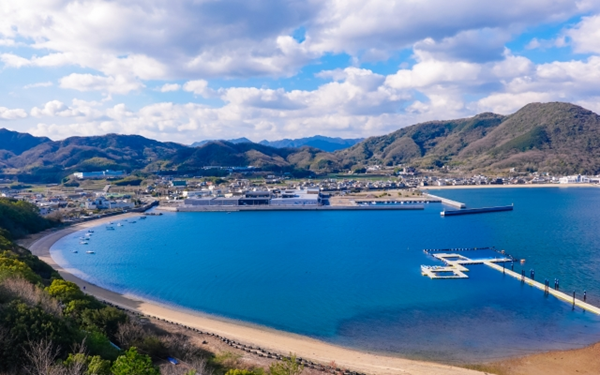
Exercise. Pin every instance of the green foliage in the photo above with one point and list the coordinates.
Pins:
(32, 324)
(93, 365)
(105, 320)
(10, 266)
(65, 291)
(133, 363)
(20, 218)
(99, 344)
(152, 346)
(288, 366)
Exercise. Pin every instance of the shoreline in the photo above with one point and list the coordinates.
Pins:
(523, 186)
(279, 341)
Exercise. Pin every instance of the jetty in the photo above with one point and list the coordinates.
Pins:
(446, 201)
(469, 211)
(378, 207)
(455, 263)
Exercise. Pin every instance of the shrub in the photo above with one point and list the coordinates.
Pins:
(134, 363)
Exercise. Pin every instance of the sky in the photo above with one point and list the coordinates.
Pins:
(191, 70)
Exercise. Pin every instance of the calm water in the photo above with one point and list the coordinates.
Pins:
(353, 278)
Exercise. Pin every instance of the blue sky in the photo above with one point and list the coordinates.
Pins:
(267, 69)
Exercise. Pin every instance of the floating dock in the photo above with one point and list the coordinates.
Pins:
(454, 268)
(447, 201)
(455, 265)
(469, 211)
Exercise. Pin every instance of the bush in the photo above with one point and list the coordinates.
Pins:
(134, 363)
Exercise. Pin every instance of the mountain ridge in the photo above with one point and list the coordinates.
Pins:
(560, 138)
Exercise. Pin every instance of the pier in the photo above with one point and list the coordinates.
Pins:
(455, 263)
(468, 211)
(556, 293)
(448, 202)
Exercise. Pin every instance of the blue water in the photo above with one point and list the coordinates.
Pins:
(353, 277)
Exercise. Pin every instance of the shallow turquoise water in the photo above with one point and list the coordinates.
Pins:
(353, 277)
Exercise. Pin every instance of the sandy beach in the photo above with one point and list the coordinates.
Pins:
(273, 340)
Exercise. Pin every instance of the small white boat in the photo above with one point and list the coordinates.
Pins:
(83, 243)
(75, 251)
(90, 252)
(119, 225)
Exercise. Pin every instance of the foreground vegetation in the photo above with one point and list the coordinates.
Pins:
(49, 326)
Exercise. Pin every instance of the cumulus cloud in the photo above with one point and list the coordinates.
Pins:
(585, 36)
(198, 87)
(89, 82)
(12, 114)
(169, 87)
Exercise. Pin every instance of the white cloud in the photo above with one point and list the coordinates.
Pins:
(89, 82)
(169, 87)
(198, 87)
(39, 84)
(585, 36)
(12, 114)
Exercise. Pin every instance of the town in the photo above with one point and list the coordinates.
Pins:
(93, 194)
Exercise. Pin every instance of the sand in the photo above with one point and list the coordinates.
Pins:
(270, 339)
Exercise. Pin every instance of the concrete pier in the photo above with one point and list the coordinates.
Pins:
(446, 201)
(482, 210)
(556, 293)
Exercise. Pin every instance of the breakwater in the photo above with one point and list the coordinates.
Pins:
(468, 211)
(447, 201)
(185, 208)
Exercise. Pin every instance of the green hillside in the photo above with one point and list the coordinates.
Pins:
(560, 138)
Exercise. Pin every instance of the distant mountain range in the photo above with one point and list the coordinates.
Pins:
(320, 142)
(560, 138)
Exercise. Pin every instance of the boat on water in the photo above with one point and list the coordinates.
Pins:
(143, 218)
(110, 228)
(119, 225)
(83, 243)
(75, 251)
(90, 231)
(132, 222)
(90, 252)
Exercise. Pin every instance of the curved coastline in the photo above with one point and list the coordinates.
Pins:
(279, 341)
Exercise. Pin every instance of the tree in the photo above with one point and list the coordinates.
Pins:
(105, 320)
(133, 363)
(65, 291)
(288, 366)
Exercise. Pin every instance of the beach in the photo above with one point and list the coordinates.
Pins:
(277, 341)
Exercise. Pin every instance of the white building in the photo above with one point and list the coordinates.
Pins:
(574, 180)
(308, 197)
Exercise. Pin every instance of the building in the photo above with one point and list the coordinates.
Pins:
(99, 174)
(574, 180)
(298, 197)
(178, 183)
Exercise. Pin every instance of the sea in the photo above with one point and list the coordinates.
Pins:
(353, 278)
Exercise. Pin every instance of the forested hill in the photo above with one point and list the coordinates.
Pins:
(555, 137)
(560, 138)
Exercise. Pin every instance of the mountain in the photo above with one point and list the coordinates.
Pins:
(51, 161)
(235, 141)
(556, 137)
(560, 138)
(318, 141)
(16, 143)
(222, 153)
